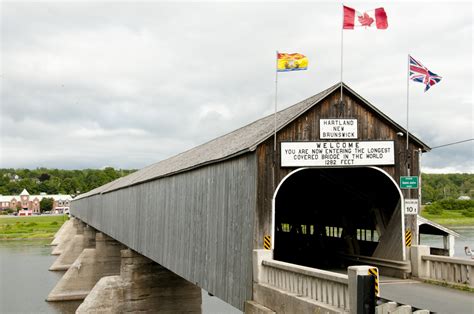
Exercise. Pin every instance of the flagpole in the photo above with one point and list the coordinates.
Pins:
(342, 45)
(275, 126)
(276, 104)
(408, 107)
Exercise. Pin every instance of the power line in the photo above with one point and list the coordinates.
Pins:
(454, 143)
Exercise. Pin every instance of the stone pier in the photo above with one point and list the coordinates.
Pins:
(84, 238)
(61, 232)
(142, 286)
(64, 236)
(87, 269)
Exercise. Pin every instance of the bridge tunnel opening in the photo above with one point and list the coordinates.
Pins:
(324, 215)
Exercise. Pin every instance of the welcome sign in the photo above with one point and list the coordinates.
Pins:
(356, 153)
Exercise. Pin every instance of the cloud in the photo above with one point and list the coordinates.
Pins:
(126, 84)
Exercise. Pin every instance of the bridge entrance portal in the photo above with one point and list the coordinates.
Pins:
(322, 216)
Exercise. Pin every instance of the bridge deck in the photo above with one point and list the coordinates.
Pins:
(427, 296)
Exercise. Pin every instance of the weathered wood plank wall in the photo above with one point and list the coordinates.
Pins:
(306, 128)
(198, 224)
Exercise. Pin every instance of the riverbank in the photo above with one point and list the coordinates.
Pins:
(449, 218)
(32, 227)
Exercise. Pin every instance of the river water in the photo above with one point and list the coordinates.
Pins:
(25, 280)
(466, 239)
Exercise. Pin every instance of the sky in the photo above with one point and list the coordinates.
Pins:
(126, 84)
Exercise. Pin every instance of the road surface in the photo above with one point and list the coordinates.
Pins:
(427, 296)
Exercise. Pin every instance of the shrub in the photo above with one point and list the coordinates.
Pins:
(54, 223)
(468, 212)
(452, 204)
(435, 209)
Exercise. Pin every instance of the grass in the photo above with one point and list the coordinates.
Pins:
(450, 285)
(32, 227)
(449, 218)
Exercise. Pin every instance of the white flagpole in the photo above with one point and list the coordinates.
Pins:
(276, 104)
(342, 45)
(408, 101)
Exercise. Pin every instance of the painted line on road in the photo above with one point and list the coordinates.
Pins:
(393, 282)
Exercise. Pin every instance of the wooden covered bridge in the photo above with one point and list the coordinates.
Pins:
(326, 196)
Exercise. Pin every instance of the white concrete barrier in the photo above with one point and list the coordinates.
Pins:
(441, 268)
(452, 270)
(323, 286)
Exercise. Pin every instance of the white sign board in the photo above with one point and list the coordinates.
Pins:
(337, 128)
(411, 206)
(337, 154)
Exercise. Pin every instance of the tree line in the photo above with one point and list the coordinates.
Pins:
(56, 181)
(435, 187)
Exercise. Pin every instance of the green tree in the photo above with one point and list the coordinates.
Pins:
(12, 188)
(46, 204)
(44, 177)
(54, 181)
(69, 186)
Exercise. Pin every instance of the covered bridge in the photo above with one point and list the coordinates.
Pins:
(328, 191)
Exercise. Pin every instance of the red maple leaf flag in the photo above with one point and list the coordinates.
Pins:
(365, 19)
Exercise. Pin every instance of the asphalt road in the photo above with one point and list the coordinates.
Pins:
(426, 296)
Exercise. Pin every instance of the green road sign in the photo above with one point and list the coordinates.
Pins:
(409, 182)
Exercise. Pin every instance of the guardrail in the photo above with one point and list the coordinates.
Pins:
(323, 286)
(442, 268)
(454, 270)
(330, 292)
(390, 267)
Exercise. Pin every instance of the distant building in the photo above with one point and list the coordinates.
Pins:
(30, 204)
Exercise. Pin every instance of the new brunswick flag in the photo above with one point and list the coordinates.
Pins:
(291, 62)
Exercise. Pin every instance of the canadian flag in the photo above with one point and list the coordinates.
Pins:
(354, 18)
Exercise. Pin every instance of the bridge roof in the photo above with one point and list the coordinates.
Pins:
(243, 140)
(431, 227)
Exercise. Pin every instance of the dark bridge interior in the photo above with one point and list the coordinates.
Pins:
(323, 213)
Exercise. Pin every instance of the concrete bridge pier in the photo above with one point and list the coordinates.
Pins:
(61, 232)
(142, 285)
(87, 269)
(64, 236)
(84, 238)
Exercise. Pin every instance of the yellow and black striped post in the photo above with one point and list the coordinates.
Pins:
(267, 242)
(408, 236)
(374, 271)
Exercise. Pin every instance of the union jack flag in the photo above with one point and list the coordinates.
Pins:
(419, 73)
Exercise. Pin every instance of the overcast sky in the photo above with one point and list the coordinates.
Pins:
(108, 83)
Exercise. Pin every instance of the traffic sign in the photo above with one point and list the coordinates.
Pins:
(409, 182)
(411, 206)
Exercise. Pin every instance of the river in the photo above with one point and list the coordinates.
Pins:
(25, 280)
(466, 239)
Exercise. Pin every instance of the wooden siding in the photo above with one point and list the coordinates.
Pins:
(306, 128)
(198, 224)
